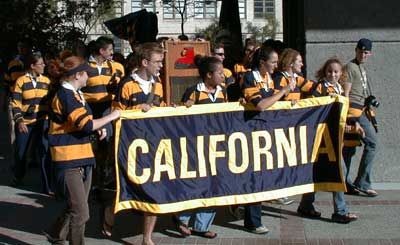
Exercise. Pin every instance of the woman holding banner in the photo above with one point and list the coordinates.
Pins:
(329, 77)
(71, 123)
(207, 91)
(258, 88)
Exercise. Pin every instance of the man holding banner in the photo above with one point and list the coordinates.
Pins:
(142, 90)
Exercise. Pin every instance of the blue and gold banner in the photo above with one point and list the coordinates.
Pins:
(173, 159)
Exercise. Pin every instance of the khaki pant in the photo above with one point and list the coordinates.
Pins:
(71, 223)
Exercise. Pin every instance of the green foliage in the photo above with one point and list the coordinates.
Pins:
(49, 24)
(261, 34)
(85, 14)
(209, 32)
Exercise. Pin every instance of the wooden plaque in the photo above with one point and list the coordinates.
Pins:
(180, 71)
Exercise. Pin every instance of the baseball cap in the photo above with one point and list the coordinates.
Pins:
(364, 44)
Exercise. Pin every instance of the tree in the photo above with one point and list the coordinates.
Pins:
(180, 7)
(36, 20)
(83, 15)
(49, 24)
(260, 34)
(210, 32)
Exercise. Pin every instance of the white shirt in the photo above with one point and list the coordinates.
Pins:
(259, 79)
(213, 97)
(67, 85)
(144, 84)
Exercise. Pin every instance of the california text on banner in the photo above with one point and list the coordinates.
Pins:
(173, 159)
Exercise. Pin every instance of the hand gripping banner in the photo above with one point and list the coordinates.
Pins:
(173, 159)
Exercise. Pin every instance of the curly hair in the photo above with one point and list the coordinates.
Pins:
(320, 74)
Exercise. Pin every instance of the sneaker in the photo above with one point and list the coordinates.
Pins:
(282, 201)
(344, 218)
(259, 230)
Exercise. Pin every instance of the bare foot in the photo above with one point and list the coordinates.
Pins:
(147, 242)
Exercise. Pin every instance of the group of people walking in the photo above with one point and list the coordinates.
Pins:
(69, 118)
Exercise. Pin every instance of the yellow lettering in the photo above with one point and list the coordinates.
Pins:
(132, 155)
(213, 153)
(200, 157)
(233, 167)
(323, 133)
(282, 144)
(185, 173)
(303, 144)
(164, 149)
(258, 151)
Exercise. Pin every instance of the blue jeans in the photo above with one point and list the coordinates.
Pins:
(339, 203)
(252, 215)
(22, 142)
(202, 219)
(363, 179)
(37, 139)
(46, 166)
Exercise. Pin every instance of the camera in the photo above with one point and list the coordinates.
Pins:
(31, 109)
(371, 101)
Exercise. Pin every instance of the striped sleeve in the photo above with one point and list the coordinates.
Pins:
(78, 115)
(17, 100)
(250, 91)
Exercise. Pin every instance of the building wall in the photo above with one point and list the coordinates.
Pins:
(171, 27)
(332, 29)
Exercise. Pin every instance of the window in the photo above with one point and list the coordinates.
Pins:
(264, 8)
(205, 9)
(172, 8)
(137, 5)
(242, 9)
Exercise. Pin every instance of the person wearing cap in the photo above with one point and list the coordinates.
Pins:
(357, 88)
(71, 124)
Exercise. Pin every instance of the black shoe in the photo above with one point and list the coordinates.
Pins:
(312, 214)
(344, 218)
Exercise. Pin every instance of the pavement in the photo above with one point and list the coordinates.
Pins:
(25, 213)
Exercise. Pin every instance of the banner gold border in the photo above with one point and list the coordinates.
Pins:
(158, 112)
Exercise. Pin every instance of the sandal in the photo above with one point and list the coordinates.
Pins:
(107, 226)
(369, 192)
(344, 218)
(181, 227)
(205, 234)
(106, 230)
